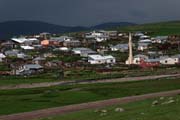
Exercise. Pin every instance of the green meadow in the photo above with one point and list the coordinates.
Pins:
(162, 28)
(166, 109)
(23, 100)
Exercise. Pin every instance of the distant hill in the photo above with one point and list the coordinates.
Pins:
(112, 25)
(160, 28)
(14, 28)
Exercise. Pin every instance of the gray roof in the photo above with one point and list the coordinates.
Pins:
(152, 60)
(88, 52)
(39, 58)
(164, 57)
(121, 46)
(72, 41)
(161, 37)
(141, 56)
(176, 56)
(11, 52)
(60, 39)
(33, 66)
(81, 49)
(84, 50)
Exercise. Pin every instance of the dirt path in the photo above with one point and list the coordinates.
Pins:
(48, 84)
(91, 105)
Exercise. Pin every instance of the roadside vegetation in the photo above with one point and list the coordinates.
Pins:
(118, 71)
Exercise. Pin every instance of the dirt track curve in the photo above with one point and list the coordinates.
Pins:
(48, 84)
(91, 105)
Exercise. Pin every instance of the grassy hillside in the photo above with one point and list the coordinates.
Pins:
(167, 109)
(23, 100)
(162, 28)
(53, 76)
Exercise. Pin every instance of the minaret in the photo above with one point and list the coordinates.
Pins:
(130, 59)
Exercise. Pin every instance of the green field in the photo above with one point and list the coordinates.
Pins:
(72, 75)
(4, 67)
(13, 80)
(163, 28)
(142, 110)
(117, 72)
(22, 100)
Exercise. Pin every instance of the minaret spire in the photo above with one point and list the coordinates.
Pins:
(130, 59)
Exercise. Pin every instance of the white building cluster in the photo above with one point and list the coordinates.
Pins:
(99, 59)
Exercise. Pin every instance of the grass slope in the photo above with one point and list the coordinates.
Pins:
(142, 110)
(162, 28)
(54, 76)
(23, 100)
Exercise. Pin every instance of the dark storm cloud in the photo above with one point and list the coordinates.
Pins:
(88, 12)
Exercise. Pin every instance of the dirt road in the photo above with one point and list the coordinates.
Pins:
(91, 105)
(48, 84)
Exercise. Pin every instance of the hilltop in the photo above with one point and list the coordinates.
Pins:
(13, 28)
(160, 28)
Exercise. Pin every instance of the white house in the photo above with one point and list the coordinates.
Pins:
(144, 37)
(110, 59)
(21, 55)
(64, 49)
(142, 46)
(100, 39)
(27, 47)
(23, 40)
(84, 52)
(11, 53)
(138, 34)
(29, 69)
(99, 59)
(145, 41)
(62, 38)
(166, 60)
(137, 59)
(19, 40)
(120, 47)
(99, 36)
(2, 56)
(159, 39)
(176, 58)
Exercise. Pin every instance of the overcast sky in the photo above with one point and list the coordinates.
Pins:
(89, 12)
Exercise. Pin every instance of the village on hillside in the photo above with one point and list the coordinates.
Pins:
(89, 60)
(90, 54)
